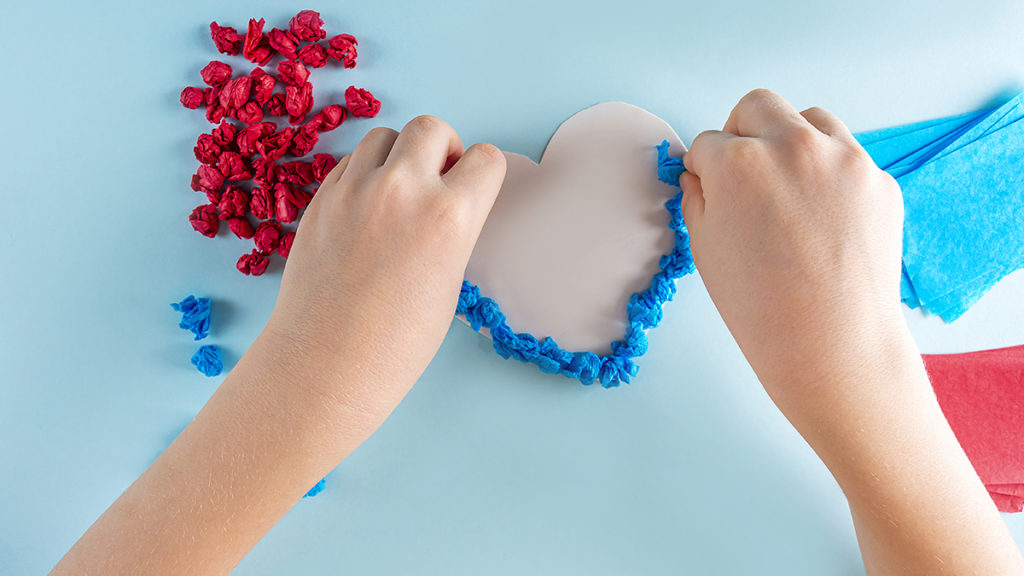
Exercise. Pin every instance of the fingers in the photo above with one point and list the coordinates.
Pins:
(693, 200)
(706, 149)
(425, 145)
(827, 123)
(372, 151)
(477, 176)
(761, 112)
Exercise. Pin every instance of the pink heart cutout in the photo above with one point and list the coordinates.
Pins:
(571, 238)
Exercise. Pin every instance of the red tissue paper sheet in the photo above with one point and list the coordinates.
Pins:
(244, 176)
(982, 396)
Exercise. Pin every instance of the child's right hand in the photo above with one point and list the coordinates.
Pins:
(797, 236)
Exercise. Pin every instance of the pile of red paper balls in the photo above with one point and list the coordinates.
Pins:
(253, 149)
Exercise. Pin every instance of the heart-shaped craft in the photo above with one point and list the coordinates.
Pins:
(582, 249)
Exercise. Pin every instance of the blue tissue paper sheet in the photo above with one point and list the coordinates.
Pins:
(963, 192)
(889, 149)
(900, 132)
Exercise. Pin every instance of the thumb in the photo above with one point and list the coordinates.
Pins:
(693, 201)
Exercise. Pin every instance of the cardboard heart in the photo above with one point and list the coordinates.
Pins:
(570, 239)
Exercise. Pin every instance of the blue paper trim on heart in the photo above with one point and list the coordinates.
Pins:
(643, 312)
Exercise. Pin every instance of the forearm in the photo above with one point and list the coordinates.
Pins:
(264, 438)
(917, 503)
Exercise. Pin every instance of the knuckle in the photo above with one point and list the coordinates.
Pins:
(759, 95)
(426, 124)
(379, 132)
(891, 188)
(699, 141)
(489, 153)
(890, 182)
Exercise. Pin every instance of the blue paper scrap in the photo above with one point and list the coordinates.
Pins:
(317, 488)
(207, 360)
(195, 315)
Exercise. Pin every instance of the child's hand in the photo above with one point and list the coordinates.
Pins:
(797, 236)
(373, 278)
(368, 292)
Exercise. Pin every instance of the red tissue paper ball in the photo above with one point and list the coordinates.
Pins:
(240, 227)
(292, 73)
(313, 55)
(256, 48)
(253, 264)
(204, 220)
(191, 97)
(284, 42)
(267, 236)
(307, 25)
(288, 200)
(251, 113)
(304, 140)
(330, 117)
(273, 146)
(261, 204)
(250, 135)
(284, 247)
(207, 150)
(234, 202)
(236, 92)
(361, 102)
(209, 178)
(233, 167)
(275, 106)
(322, 165)
(226, 38)
(216, 74)
(343, 49)
(298, 100)
(225, 134)
(262, 86)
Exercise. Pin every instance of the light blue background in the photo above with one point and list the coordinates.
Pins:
(488, 467)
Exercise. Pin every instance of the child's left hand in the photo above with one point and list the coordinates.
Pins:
(368, 293)
(372, 281)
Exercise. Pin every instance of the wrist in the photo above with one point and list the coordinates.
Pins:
(870, 413)
(322, 393)
(804, 365)
(851, 391)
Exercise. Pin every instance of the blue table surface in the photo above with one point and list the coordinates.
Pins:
(488, 466)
